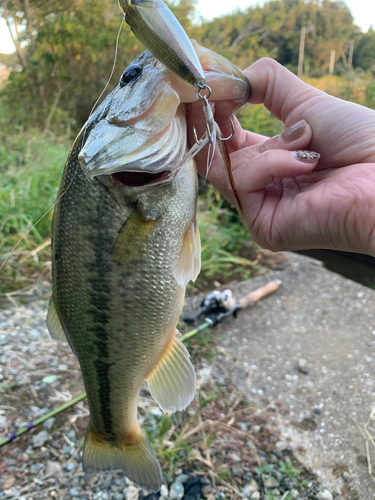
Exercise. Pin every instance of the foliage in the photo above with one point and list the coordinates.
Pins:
(288, 470)
(66, 49)
(274, 28)
(223, 239)
(358, 88)
(363, 55)
(259, 120)
(30, 171)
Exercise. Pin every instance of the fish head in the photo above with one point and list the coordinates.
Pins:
(137, 136)
(138, 128)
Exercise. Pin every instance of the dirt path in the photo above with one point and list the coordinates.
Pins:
(311, 347)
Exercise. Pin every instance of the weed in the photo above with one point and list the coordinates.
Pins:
(30, 172)
(288, 470)
(264, 469)
(224, 239)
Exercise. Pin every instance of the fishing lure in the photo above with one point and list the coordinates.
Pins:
(155, 25)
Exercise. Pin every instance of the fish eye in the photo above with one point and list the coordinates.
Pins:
(130, 74)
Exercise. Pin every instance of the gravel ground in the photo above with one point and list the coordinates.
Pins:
(246, 457)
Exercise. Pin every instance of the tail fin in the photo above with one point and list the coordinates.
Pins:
(138, 461)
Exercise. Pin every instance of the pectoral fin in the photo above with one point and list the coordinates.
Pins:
(188, 264)
(133, 239)
(53, 322)
(172, 383)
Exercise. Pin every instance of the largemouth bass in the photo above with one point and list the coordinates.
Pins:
(125, 243)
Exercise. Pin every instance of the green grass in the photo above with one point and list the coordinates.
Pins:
(226, 243)
(30, 172)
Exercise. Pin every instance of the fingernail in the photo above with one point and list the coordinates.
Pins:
(306, 155)
(293, 132)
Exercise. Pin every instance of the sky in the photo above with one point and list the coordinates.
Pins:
(362, 10)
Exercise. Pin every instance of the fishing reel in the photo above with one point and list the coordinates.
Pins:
(216, 306)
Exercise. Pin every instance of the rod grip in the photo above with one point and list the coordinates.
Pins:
(260, 293)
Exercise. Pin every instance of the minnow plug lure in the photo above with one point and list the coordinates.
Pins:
(154, 24)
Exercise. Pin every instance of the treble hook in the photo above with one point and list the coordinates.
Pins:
(209, 117)
(223, 139)
(207, 112)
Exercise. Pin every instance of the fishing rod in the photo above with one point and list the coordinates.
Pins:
(215, 307)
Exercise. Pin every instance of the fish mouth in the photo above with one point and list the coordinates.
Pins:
(137, 179)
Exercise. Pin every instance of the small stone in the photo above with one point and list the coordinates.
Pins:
(235, 457)
(41, 412)
(346, 476)
(207, 489)
(131, 492)
(255, 496)
(164, 490)
(70, 466)
(250, 488)
(63, 366)
(156, 412)
(117, 496)
(72, 435)
(74, 492)
(182, 478)
(39, 439)
(243, 426)
(176, 491)
(237, 470)
(317, 409)
(302, 366)
(9, 483)
(324, 495)
(294, 493)
(257, 429)
(271, 482)
(35, 468)
(53, 468)
(48, 424)
(107, 482)
(50, 379)
(205, 480)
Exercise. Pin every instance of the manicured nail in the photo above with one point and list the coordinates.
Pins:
(306, 155)
(293, 132)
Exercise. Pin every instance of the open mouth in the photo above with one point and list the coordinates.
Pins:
(134, 179)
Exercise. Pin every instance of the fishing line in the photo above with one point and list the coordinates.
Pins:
(83, 138)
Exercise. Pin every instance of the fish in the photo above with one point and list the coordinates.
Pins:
(125, 243)
(155, 25)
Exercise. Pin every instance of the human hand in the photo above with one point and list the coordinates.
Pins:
(291, 202)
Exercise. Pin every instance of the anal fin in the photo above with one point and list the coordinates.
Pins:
(53, 322)
(188, 264)
(172, 382)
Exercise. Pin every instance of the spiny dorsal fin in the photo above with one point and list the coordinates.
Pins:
(188, 264)
(53, 322)
(172, 382)
(133, 239)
